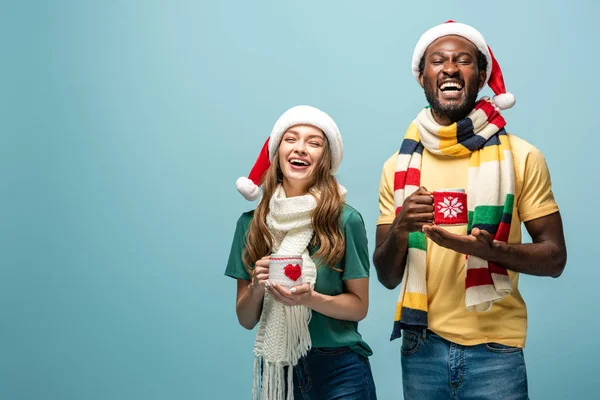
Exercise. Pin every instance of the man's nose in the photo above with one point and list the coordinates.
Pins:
(450, 68)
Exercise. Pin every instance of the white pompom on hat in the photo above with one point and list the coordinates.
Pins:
(493, 77)
(249, 186)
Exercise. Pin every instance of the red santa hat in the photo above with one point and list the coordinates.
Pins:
(493, 76)
(249, 186)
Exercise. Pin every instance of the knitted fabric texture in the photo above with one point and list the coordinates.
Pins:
(491, 184)
(283, 337)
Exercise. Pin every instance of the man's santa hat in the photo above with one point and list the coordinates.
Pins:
(249, 186)
(493, 76)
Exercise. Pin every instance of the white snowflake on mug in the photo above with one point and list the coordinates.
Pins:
(451, 207)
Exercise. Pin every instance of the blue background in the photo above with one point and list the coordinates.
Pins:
(125, 124)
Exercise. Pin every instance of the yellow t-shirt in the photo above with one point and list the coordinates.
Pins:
(506, 322)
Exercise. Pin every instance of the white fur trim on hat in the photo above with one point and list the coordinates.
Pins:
(343, 191)
(446, 29)
(504, 101)
(307, 115)
(247, 188)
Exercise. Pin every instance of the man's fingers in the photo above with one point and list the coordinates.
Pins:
(422, 199)
(476, 232)
(419, 208)
(443, 233)
(436, 230)
(433, 235)
(422, 191)
(422, 217)
(481, 234)
(420, 225)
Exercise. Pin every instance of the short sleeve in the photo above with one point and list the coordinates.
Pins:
(536, 199)
(356, 256)
(235, 266)
(387, 210)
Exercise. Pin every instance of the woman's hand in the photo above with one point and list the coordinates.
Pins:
(352, 305)
(297, 295)
(260, 276)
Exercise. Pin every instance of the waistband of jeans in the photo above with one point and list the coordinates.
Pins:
(423, 333)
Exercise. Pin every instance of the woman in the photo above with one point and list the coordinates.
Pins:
(311, 327)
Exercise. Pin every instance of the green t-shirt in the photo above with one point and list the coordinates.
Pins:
(324, 331)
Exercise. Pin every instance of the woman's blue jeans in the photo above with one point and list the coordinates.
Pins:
(334, 374)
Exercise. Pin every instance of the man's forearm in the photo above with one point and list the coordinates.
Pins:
(540, 259)
(389, 257)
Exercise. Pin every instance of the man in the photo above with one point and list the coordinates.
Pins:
(462, 318)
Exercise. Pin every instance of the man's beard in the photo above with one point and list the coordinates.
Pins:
(454, 112)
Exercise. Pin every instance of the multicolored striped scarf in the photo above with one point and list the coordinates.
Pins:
(490, 191)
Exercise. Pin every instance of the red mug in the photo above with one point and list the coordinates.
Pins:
(450, 207)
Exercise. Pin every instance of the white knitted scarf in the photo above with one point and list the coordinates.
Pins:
(282, 337)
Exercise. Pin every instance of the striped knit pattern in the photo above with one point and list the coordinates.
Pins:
(490, 203)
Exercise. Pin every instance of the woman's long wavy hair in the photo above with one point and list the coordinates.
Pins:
(326, 218)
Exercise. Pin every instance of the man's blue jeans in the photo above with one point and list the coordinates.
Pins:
(434, 368)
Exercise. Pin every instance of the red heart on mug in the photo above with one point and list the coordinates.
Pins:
(292, 271)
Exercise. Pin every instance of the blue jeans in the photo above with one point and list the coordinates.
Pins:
(334, 373)
(434, 368)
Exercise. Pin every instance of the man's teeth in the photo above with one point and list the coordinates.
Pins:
(450, 86)
(298, 162)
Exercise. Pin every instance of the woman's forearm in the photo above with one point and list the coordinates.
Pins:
(249, 304)
(344, 306)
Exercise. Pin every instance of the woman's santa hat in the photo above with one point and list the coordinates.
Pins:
(493, 76)
(300, 115)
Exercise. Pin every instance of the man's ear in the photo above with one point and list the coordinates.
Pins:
(421, 80)
(482, 76)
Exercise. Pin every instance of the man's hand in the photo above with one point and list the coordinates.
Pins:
(391, 241)
(478, 243)
(416, 212)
